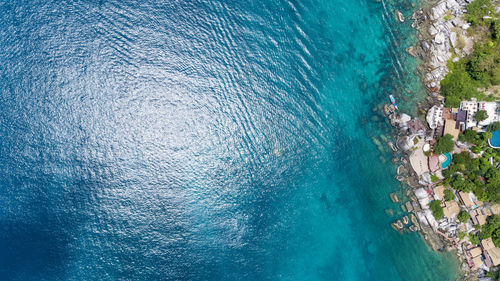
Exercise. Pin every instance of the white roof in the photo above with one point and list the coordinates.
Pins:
(435, 116)
(471, 108)
(491, 109)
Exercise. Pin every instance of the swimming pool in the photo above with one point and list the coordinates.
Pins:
(495, 139)
(446, 162)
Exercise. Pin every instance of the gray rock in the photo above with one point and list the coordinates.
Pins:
(432, 30)
(453, 39)
(439, 39)
(438, 11)
(425, 46)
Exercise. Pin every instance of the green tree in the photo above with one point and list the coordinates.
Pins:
(463, 216)
(494, 274)
(491, 229)
(495, 29)
(444, 144)
(493, 188)
(457, 86)
(460, 183)
(477, 10)
(434, 178)
(462, 158)
(448, 195)
(481, 115)
(481, 65)
(485, 136)
(473, 239)
(468, 136)
(495, 75)
(437, 210)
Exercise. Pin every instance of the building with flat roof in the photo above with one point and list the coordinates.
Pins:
(450, 128)
(418, 160)
(471, 108)
(435, 116)
(461, 119)
(491, 109)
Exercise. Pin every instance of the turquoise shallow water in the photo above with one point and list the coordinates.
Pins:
(203, 140)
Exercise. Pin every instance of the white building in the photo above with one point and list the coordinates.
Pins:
(435, 117)
(471, 108)
(492, 110)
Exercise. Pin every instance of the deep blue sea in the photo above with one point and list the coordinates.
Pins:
(204, 140)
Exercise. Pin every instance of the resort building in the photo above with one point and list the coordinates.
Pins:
(451, 209)
(479, 215)
(492, 252)
(466, 199)
(439, 192)
(491, 109)
(416, 127)
(451, 128)
(495, 209)
(461, 119)
(471, 108)
(475, 254)
(418, 160)
(481, 219)
(434, 163)
(435, 117)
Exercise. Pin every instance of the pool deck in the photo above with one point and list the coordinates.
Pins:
(418, 159)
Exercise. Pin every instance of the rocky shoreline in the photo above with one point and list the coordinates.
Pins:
(442, 35)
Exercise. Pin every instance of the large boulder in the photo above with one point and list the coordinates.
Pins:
(439, 11)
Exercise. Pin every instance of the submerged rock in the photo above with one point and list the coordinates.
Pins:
(405, 220)
(394, 197)
(400, 16)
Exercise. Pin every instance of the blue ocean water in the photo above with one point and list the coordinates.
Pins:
(204, 140)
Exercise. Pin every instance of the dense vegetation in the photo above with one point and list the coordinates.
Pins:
(474, 239)
(480, 69)
(481, 115)
(456, 86)
(494, 127)
(448, 195)
(478, 175)
(463, 216)
(477, 10)
(437, 210)
(479, 140)
(491, 229)
(444, 144)
(495, 275)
